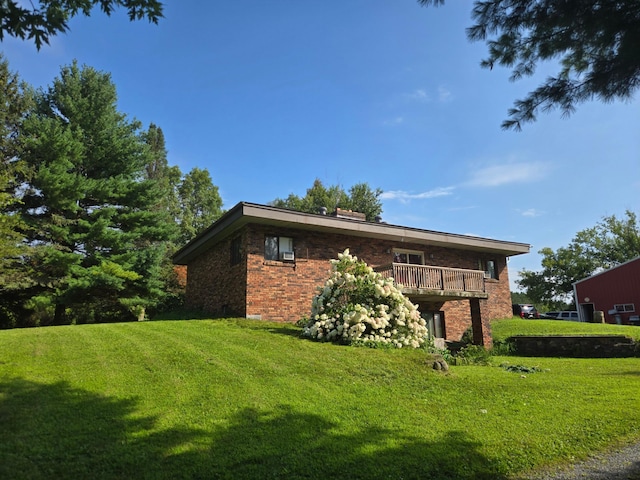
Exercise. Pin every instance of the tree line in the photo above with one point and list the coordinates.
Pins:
(90, 209)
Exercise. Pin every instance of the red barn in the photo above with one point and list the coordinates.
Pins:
(616, 292)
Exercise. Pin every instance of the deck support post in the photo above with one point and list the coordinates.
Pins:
(479, 323)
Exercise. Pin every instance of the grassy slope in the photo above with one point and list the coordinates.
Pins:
(243, 399)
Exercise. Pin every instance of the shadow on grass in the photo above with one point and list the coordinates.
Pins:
(287, 329)
(56, 431)
(626, 373)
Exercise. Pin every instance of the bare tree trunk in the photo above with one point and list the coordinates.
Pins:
(60, 314)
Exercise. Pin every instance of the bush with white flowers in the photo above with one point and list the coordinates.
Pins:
(358, 305)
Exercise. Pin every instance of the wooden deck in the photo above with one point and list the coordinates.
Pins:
(436, 282)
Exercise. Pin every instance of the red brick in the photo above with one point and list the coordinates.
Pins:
(283, 291)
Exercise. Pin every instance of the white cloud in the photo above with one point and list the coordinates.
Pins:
(444, 95)
(531, 212)
(406, 196)
(462, 209)
(393, 121)
(419, 95)
(507, 174)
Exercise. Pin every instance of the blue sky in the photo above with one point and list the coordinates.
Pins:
(269, 95)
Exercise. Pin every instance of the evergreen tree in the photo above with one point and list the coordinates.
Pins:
(15, 97)
(595, 45)
(13, 106)
(91, 214)
(40, 19)
(191, 202)
(168, 178)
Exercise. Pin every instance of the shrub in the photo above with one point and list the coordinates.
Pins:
(473, 355)
(358, 306)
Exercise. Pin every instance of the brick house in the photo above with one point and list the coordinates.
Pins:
(265, 263)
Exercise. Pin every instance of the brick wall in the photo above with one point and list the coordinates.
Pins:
(283, 291)
(214, 285)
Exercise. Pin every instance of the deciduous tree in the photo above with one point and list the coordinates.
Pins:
(200, 203)
(595, 45)
(611, 242)
(361, 198)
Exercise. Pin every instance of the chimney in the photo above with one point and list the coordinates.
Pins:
(348, 214)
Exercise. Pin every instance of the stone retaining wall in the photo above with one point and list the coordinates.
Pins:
(591, 346)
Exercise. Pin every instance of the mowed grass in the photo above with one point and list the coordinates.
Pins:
(502, 329)
(242, 399)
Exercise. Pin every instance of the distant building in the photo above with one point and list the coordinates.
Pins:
(616, 292)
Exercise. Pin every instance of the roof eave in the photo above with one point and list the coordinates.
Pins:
(244, 213)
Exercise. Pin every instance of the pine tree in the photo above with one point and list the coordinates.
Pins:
(192, 203)
(38, 20)
(594, 44)
(15, 97)
(157, 168)
(92, 213)
(167, 179)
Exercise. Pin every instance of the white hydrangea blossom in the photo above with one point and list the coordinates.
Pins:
(357, 304)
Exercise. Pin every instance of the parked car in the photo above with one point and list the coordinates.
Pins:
(570, 315)
(525, 310)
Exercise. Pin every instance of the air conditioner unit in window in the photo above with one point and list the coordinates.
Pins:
(287, 256)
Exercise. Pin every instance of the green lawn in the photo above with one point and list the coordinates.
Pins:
(247, 399)
(502, 329)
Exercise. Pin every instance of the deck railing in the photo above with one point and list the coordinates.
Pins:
(434, 278)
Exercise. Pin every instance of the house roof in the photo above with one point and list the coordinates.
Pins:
(609, 270)
(250, 213)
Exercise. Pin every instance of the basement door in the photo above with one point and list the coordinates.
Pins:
(435, 324)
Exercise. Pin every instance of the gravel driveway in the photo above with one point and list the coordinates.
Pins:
(622, 464)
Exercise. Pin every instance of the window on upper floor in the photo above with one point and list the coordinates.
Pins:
(236, 251)
(278, 248)
(489, 268)
(412, 257)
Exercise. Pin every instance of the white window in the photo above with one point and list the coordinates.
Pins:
(489, 268)
(278, 248)
(625, 307)
(412, 257)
